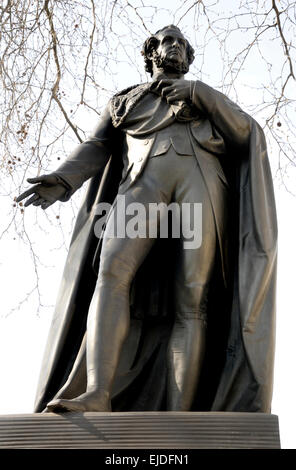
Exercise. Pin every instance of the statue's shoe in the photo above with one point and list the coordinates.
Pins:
(89, 401)
(63, 406)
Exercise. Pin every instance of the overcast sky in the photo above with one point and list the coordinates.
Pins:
(23, 331)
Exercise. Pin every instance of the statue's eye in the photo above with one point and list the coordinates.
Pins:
(167, 39)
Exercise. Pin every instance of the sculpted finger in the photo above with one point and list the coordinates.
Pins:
(38, 202)
(172, 98)
(174, 95)
(38, 179)
(167, 90)
(26, 194)
(165, 82)
(46, 204)
(31, 200)
(162, 84)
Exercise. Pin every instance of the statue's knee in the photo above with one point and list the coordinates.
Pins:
(115, 271)
(188, 316)
(192, 300)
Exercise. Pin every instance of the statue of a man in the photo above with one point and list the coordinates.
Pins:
(173, 141)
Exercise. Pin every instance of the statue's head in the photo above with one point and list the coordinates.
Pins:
(169, 50)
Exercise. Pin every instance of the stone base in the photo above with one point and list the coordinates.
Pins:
(149, 430)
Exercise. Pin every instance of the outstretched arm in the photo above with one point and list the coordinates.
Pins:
(87, 160)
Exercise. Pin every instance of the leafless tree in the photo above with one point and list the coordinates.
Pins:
(62, 59)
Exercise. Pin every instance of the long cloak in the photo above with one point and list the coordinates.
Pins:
(237, 373)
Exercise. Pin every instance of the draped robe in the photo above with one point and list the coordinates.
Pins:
(237, 373)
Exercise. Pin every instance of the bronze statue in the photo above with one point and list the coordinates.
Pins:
(168, 328)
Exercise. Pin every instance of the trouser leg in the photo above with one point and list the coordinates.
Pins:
(109, 313)
(187, 344)
(185, 357)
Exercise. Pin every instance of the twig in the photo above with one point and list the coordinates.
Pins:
(59, 75)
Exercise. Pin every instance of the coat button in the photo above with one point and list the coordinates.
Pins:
(146, 142)
(140, 159)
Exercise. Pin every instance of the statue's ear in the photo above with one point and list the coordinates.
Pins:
(150, 45)
(190, 53)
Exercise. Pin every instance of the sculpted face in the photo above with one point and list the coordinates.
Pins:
(172, 46)
(171, 52)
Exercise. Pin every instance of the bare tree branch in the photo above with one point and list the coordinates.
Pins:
(62, 60)
(56, 86)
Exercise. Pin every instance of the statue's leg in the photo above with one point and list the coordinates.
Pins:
(109, 315)
(193, 274)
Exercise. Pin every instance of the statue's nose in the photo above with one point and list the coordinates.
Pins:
(176, 45)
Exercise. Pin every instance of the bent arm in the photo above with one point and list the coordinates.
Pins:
(89, 158)
(231, 121)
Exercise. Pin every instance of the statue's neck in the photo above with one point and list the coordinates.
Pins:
(160, 74)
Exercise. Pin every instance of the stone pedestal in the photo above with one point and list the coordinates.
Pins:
(130, 430)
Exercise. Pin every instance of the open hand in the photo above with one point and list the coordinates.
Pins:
(48, 191)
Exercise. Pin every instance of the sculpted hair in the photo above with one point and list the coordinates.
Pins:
(151, 44)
